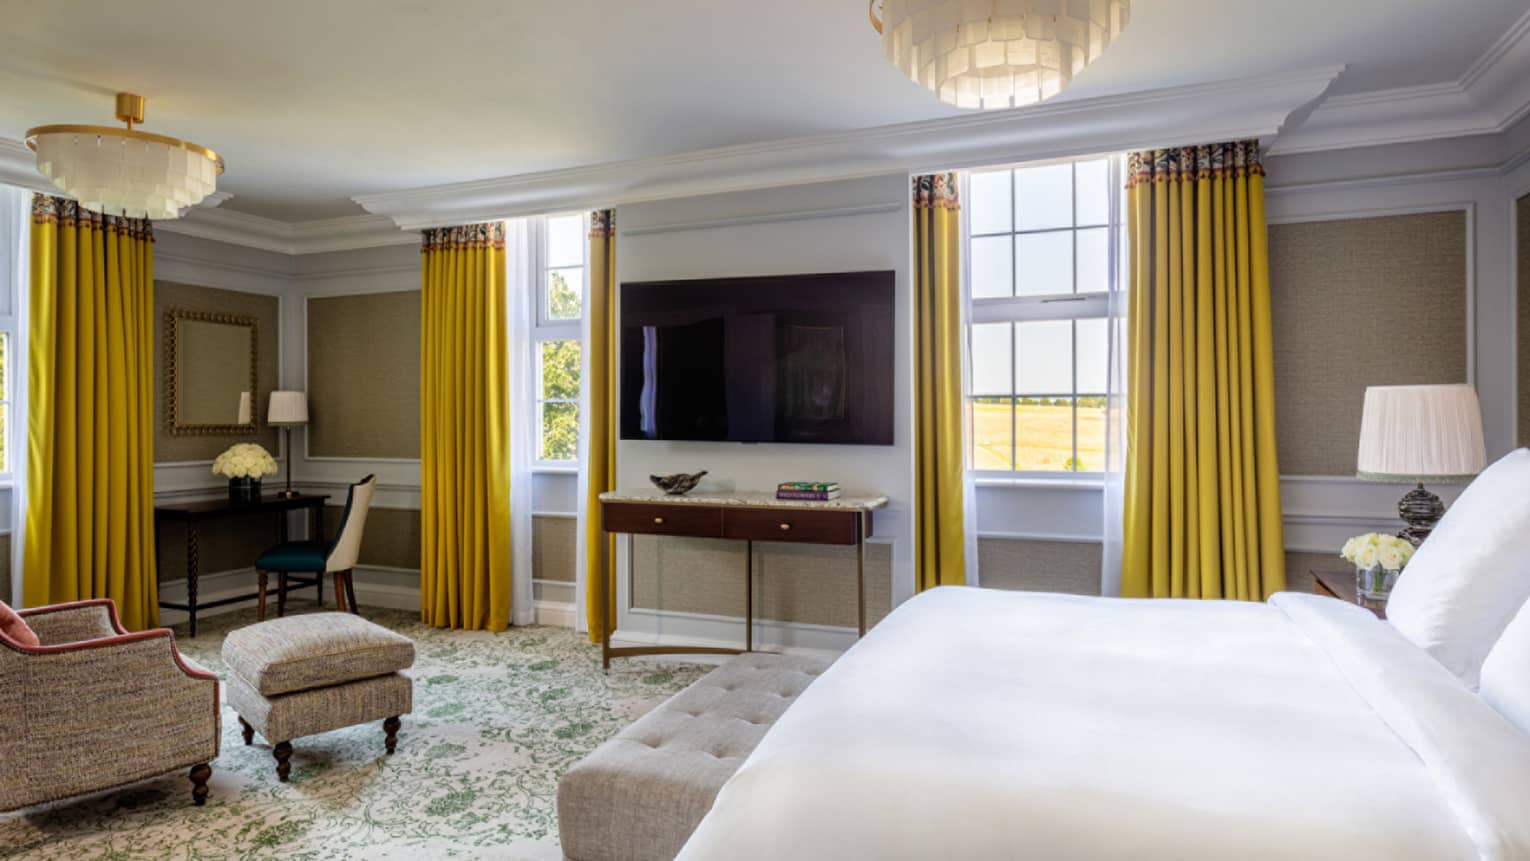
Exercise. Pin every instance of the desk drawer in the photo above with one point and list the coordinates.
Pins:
(696, 521)
(790, 524)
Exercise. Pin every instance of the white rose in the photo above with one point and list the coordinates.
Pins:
(1391, 558)
(1366, 557)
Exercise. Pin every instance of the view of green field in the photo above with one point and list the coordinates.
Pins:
(1045, 437)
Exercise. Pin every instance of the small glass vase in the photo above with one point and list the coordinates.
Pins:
(244, 490)
(1375, 583)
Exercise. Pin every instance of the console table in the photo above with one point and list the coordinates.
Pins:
(741, 516)
(194, 512)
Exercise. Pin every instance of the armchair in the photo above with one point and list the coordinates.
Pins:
(95, 707)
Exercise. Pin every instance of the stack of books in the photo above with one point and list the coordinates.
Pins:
(812, 490)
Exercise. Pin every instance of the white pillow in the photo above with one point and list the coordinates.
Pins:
(1506, 672)
(1472, 574)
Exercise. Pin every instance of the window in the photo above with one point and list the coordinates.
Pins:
(1040, 259)
(564, 247)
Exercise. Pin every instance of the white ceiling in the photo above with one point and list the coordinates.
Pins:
(313, 102)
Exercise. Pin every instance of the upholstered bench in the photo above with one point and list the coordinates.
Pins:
(641, 794)
(303, 675)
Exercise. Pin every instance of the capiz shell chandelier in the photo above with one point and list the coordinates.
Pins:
(125, 171)
(996, 53)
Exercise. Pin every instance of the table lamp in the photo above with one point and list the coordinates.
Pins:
(1414, 434)
(285, 410)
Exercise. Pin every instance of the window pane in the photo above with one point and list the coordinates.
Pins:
(1091, 435)
(1092, 355)
(990, 202)
(1092, 179)
(1093, 251)
(560, 369)
(560, 431)
(564, 289)
(1044, 358)
(991, 273)
(565, 241)
(991, 359)
(993, 441)
(1044, 197)
(1044, 434)
(1043, 263)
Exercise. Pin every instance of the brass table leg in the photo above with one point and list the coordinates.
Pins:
(748, 596)
(860, 574)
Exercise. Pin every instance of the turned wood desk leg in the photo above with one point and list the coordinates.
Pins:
(191, 575)
(260, 602)
(317, 515)
(860, 574)
(748, 596)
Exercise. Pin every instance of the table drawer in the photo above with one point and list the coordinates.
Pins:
(697, 521)
(789, 524)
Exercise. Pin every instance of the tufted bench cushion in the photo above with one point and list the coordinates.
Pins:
(641, 794)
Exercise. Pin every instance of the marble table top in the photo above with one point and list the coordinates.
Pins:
(744, 499)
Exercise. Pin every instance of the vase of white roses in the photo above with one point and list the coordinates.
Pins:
(1378, 560)
(244, 465)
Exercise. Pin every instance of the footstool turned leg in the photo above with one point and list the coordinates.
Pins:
(390, 726)
(283, 753)
(249, 732)
(199, 776)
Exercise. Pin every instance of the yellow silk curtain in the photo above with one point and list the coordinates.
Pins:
(939, 542)
(464, 429)
(90, 440)
(600, 424)
(1202, 486)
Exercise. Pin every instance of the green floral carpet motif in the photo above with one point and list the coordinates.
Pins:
(497, 718)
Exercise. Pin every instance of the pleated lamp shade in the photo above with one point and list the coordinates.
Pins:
(1421, 433)
(287, 408)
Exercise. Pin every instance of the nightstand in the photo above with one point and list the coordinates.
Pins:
(1341, 585)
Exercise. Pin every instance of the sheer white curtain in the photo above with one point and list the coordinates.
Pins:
(520, 314)
(15, 289)
(1115, 401)
(973, 575)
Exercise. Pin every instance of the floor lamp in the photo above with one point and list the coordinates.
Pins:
(286, 410)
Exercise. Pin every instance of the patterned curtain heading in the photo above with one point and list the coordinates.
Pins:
(487, 235)
(1231, 159)
(47, 209)
(936, 189)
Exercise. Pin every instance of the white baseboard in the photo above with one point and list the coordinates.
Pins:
(393, 588)
(556, 613)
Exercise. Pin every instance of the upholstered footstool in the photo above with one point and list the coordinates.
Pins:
(303, 675)
(639, 796)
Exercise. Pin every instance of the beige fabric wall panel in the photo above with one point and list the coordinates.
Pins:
(364, 375)
(392, 536)
(1360, 302)
(222, 545)
(1040, 566)
(807, 583)
(552, 548)
(168, 296)
(1522, 270)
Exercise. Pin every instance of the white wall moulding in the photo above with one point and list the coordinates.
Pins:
(1492, 95)
(1252, 107)
(294, 237)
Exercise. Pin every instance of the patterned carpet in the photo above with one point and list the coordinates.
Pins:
(496, 719)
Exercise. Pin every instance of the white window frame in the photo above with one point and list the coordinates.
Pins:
(1047, 307)
(545, 329)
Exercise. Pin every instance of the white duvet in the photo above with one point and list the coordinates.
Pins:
(977, 724)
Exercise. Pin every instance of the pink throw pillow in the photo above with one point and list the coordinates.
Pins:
(15, 628)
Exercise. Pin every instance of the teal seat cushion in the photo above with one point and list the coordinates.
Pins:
(294, 556)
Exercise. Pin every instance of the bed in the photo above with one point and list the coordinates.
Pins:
(977, 724)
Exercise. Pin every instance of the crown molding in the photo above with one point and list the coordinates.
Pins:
(1250, 107)
(18, 167)
(288, 237)
(1489, 97)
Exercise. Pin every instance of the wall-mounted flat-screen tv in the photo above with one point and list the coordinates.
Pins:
(789, 358)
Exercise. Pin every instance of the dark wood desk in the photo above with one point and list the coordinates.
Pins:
(193, 512)
(741, 516)
(1341, 584)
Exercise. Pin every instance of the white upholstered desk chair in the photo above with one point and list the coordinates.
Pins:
(337, 557)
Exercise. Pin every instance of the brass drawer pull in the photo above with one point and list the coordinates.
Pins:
(785, 526)
(658, 521)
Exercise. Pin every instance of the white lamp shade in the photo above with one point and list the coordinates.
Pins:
(287, 408)
(1421, 433)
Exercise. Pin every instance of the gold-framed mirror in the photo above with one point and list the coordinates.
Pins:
(210, 362)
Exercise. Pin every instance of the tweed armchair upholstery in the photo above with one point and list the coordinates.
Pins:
(95, 707)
